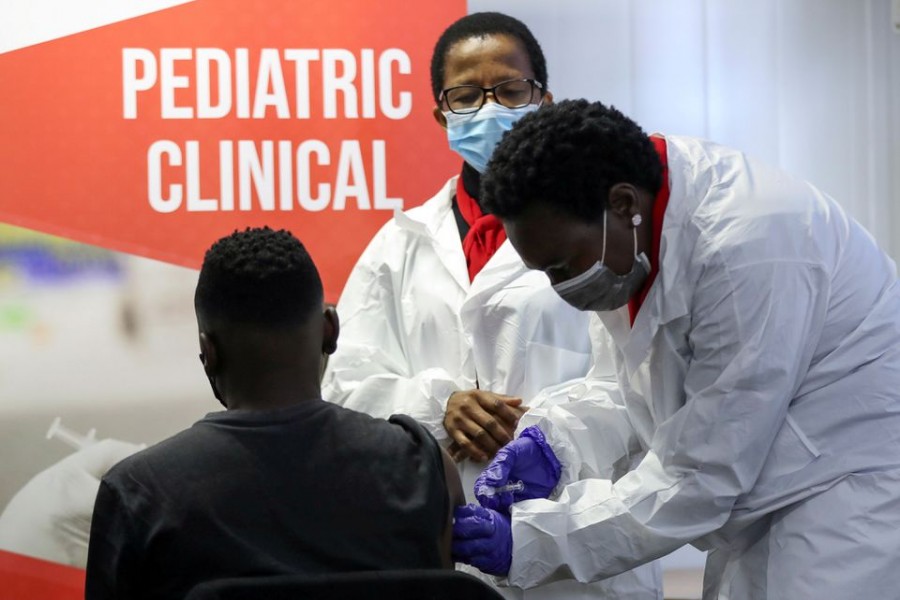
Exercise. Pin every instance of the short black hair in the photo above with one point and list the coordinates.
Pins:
(568, 155)
(482, 24)
(258, 276)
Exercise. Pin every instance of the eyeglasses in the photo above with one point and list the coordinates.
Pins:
(515, 93)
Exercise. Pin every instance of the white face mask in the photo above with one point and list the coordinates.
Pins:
(599, 288)
(474, 136)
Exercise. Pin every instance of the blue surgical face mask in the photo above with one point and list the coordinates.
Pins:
(474, 136)
(601, 289)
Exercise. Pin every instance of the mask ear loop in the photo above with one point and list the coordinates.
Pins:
(635, 242)
(603, 254)
(636, 220)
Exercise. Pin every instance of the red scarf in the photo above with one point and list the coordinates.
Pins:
(659, 211)
(486, 232)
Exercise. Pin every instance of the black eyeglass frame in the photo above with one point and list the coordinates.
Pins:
(442, 98)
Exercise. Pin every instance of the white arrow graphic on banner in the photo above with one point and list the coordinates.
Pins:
(27, 23)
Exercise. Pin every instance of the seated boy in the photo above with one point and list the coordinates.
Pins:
(281, 482)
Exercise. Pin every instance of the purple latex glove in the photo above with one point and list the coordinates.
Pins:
(523, 469)
(482, 538)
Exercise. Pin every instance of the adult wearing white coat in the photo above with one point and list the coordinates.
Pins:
(441, 320)
(756, 332)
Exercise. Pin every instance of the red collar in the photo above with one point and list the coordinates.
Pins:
(659, 210)
(485, 235)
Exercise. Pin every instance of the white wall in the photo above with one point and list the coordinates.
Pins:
(893, 126)
(811, 85)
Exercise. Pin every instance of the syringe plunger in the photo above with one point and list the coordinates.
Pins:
(76, 440)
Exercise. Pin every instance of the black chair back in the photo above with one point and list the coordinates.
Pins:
(420, 584)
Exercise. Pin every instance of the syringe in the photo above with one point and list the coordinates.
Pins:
(68, 436)
(487, 490)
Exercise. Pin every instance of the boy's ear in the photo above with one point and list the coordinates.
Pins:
(331, 328)
(209, 356)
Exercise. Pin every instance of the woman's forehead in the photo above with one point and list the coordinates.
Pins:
(541, 235)
(486, 60)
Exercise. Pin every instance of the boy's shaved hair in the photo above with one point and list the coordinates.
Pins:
(258, 276)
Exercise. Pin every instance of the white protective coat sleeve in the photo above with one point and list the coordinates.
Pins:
(587, 427)
(751, 349)
(371, 371)
(584, 420)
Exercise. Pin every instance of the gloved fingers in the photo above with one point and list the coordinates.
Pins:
(484, 562)
(492, 565)
(465, 550)
(499, 502)
(502, 501)
(550, 462)
(523, 462)
(498, 470)
(471, 521)
(495, 475)
(483, 539)
(467, 510)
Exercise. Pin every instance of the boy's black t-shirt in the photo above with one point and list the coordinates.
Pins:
(313, 488)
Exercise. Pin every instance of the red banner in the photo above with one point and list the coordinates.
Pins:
(159, 134)
(26, 577)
